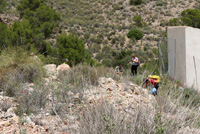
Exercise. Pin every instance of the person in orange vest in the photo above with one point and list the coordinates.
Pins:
(153, 80)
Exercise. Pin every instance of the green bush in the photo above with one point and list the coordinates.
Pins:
(71, 47)
(46, 28)
(191, 17)
(46, 14)
(106, 49)
(123, 61)
(21, 33)
(86, 36)
(138, 20)
(187, 97)
(135, 34)
(107, 62)
(174, 22)
(99, 56)
(3, 36)
(2, 5)
(135, 2)
(38, 22)
(31, 4)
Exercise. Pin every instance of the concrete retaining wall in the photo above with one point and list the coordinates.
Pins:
(184, 55)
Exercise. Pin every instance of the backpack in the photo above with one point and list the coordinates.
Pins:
(138, 62)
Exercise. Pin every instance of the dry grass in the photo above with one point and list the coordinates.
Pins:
(17, 66)
(86, 75)
(72, 85)
(174, 111)
(31, 101)
(105, 118)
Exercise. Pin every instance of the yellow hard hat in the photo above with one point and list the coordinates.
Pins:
(155, 77)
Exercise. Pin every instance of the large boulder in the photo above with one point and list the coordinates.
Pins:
(62, 69)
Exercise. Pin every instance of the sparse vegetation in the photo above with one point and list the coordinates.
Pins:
(17, 66)
(95, 42)
(138, 20)
(31, 101)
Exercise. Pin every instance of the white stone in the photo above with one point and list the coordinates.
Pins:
(62, 68)
(11, 110)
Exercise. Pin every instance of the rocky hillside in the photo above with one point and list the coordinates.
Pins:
(92, 99)
(104, 27)
(46, 122)
(127, 98)
(108, 22)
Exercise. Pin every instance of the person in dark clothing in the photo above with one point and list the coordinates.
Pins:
(135, 64)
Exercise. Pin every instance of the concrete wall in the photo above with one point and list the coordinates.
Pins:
(184, 55)
(193, 57)
(177, 53)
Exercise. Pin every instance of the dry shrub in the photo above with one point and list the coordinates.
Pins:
(86, 75)
(179, 108)
(5, 105)
(175, 110)
(17, 66)
(31, 102)
(78, 79)
(105, 118)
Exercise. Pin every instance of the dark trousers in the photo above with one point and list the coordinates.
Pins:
(134, 69)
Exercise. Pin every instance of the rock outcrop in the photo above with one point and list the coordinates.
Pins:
(63, 68)
(123, 99)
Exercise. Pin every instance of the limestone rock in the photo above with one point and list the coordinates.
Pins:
(62, 68)
(4, 124)
(108, 84)
(15, 119)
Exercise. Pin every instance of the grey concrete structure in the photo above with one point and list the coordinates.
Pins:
(184, 55)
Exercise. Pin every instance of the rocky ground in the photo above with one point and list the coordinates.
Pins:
(125, 97)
